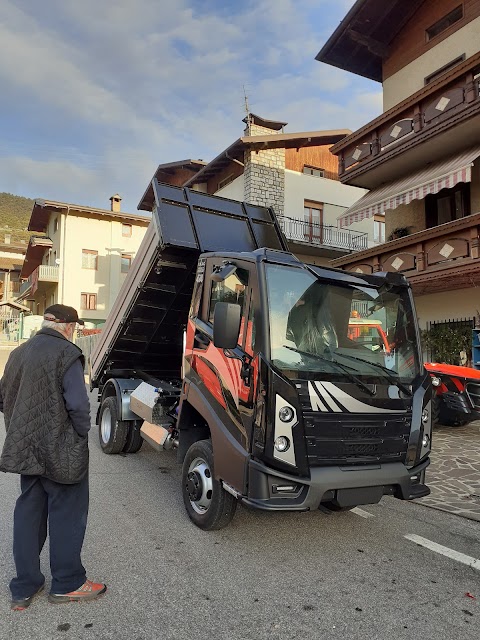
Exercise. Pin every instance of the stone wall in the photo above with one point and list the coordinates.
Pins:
(265, 173)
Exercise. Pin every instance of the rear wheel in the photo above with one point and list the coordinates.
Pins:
(208, 505)
(134, 439)
(112, 431)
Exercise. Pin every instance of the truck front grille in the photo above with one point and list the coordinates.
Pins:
(355, 439)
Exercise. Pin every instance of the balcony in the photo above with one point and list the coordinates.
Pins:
(442, 258)
(441, 119)
(43, 273)
(320, 236)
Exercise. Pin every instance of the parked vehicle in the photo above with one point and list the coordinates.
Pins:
(225, 346)
(456, 393)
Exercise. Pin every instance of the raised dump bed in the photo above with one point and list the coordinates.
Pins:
(143, 335)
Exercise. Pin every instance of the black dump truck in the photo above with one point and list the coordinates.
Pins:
(251, 364)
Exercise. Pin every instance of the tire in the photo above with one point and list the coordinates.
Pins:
(450, 418)
(134, 439)
(435, 410)
(455, 421)
(112, 431)
(207, 503)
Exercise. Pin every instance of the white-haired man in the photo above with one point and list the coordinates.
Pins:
(47, 419)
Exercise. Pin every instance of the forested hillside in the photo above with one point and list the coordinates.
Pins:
(15, 214)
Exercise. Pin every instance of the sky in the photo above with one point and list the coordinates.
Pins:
(95, 94)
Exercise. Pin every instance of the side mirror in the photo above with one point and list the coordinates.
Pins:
(226, 325)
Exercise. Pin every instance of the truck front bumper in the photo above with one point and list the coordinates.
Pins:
(273, 490)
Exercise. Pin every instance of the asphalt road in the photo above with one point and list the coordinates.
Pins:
(275, 576)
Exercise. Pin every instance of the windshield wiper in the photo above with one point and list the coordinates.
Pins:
(341, 366)
(389, 372)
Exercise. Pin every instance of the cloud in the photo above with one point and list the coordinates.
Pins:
(110, 89)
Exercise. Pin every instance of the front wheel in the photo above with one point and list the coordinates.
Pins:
(208, 505)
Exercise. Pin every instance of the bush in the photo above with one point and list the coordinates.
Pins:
(446, 342)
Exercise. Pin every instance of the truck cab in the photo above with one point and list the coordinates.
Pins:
(305, 416)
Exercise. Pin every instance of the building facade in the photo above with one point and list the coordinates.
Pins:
(420, 159)
(81, 258)
(297, 175)
(12, 256)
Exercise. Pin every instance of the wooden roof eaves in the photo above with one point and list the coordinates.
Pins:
(364, 35)
(45, 207)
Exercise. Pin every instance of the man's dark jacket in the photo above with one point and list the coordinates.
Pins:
(41, 439)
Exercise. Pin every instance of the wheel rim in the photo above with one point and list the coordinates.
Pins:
(106, 425)
(199, 485)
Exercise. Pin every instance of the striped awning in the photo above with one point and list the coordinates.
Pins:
(415, 186)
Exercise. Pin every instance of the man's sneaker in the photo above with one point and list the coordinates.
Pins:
(88, 591)
(24, 603)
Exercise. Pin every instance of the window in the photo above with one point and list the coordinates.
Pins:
(55, 258)
(436, 74)
(126, 262)
(378, 230)
(55, 225)
(88, 301)
(126, 230)
(447, 205)
(89, 259)
(232, 289)
(445, 22)
(313, 171)
(313, 218)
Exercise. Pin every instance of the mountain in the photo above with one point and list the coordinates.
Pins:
(15, 212)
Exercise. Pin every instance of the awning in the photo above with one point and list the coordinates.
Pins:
(415, 186)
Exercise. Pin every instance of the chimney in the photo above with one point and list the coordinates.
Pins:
(264, 173)
(8, 238)
(115, 202)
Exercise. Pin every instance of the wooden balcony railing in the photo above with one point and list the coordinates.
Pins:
(443, 104)
(43, 273)
(441, 258)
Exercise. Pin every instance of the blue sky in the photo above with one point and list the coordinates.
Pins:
(95, 94)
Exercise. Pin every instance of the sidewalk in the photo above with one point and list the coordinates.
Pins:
(454, 474)
(4, 353)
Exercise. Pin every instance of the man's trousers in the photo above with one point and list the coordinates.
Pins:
(65, 507)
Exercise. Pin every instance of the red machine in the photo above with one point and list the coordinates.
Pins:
(457, 393)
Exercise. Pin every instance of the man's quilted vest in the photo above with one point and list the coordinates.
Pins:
(40, 437)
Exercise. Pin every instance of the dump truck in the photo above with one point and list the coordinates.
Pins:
(224, 346)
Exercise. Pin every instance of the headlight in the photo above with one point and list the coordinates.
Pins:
(425, 416)
(282, 443)
(425, 440)
(436, 381)
(286, 414)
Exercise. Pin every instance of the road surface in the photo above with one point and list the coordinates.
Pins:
(377, 572)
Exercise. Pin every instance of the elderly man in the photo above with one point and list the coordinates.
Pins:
(47, 418)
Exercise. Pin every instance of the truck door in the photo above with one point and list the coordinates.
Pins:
(224, 373)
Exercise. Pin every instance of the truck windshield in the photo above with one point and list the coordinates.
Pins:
(316, 325)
